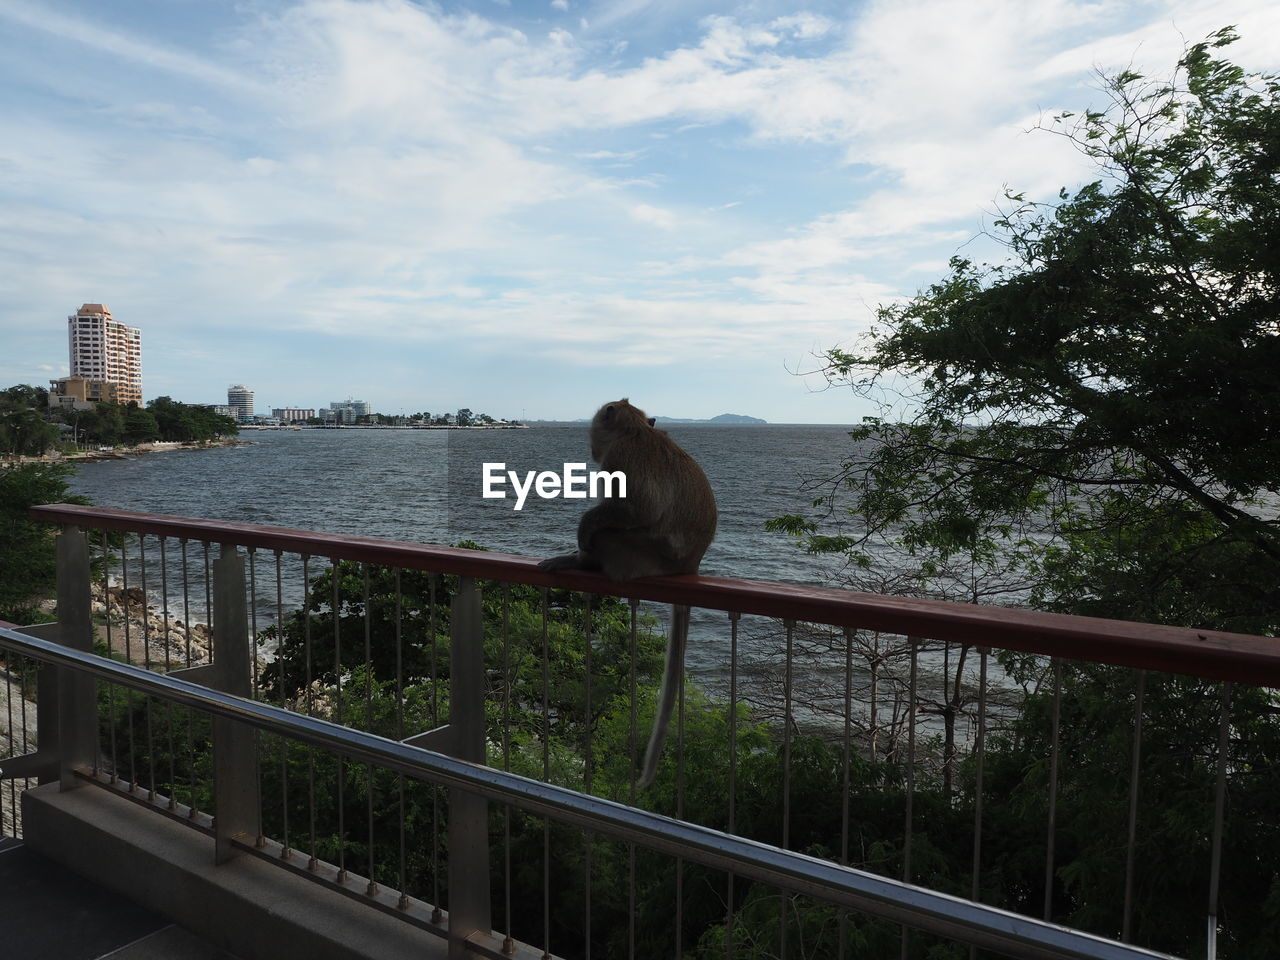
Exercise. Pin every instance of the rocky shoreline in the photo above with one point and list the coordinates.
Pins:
(127, 453)
(145, 634)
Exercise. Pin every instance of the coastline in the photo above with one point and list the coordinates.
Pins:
(127, 453)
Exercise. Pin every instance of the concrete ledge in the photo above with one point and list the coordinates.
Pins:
(246, 906)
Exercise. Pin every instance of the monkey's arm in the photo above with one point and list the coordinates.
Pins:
(612, 515)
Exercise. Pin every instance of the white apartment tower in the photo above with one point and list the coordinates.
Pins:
(103, 348)
(240, 400)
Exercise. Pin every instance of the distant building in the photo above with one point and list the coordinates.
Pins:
(291, 414)
(240, 399)
(222, 410)
(348, 411)
(80, 393)
(105, 350)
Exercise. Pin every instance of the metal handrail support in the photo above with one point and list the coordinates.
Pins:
(236, 806)
(949, 916)
(77, 697)
(42, 763)
(468, 811)
(66, 708)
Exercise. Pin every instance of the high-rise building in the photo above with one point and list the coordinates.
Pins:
(290, 414)
(346, 411)
(240, 399)
(102, 348)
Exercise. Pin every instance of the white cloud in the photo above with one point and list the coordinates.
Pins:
(393, 171)
(654, 216)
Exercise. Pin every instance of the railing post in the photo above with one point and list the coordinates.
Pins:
(235, 782)
(77, 695)
(468, 813)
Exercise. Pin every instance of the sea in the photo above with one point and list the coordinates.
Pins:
(426, 486)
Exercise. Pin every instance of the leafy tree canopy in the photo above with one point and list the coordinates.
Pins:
(1104, 405)
(27, 547)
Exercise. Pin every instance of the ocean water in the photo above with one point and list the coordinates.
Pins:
(425, 486)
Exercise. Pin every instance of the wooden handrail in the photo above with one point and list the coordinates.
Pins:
(1213, 654)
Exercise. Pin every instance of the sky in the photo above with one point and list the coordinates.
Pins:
(530, 208)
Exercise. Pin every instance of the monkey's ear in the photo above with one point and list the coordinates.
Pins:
(652, 420)
(610, 413)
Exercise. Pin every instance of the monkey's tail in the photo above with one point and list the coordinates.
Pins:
(672, 679)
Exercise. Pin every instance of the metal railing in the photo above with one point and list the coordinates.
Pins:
(253, 738)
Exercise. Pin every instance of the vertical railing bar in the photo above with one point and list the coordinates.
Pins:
(588, 760)
(191, 713)
(437, 911)
(168, 666)
(336, 574)
(1219, 815)
(112, 689)
(680, 816)
(1131, 843)
(787, 720)
(128, 658)
(403, 902)
(313, 862)
(12, 748)
(873, 716)
(631, 847)
(186, 598)
(208, 598)
(146, 662)
(1054, 747)
(546, 772)
(372, 888)
(260, 841)
(908, 840)
(734, 617)
(253, 619)
(980, 752)
(845, 782)
(948, 743)
(285, 851)
(212, 652)
(508, 942)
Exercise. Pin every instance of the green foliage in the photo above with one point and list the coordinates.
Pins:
(24, 431)
(140, 426)
(1103, 408)
(185, 422)
(27, 547)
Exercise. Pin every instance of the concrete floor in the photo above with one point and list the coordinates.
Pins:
(47, 912)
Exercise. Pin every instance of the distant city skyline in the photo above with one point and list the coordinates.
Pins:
(532, 207)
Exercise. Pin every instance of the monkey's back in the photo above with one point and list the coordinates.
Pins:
(670, 495)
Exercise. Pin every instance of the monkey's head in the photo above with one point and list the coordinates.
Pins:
(613, 421)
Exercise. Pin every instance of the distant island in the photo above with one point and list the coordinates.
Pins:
(723, 418)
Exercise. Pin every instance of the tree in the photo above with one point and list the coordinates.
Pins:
(24, 431)
(1103, 407)
(140, 426)
(104, 423)
(27, 547)
(1095, 424)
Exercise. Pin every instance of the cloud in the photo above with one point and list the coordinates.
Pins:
(654, 216)
(391, 171)
(128, 48)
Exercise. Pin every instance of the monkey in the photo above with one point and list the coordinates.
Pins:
(663, 526)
